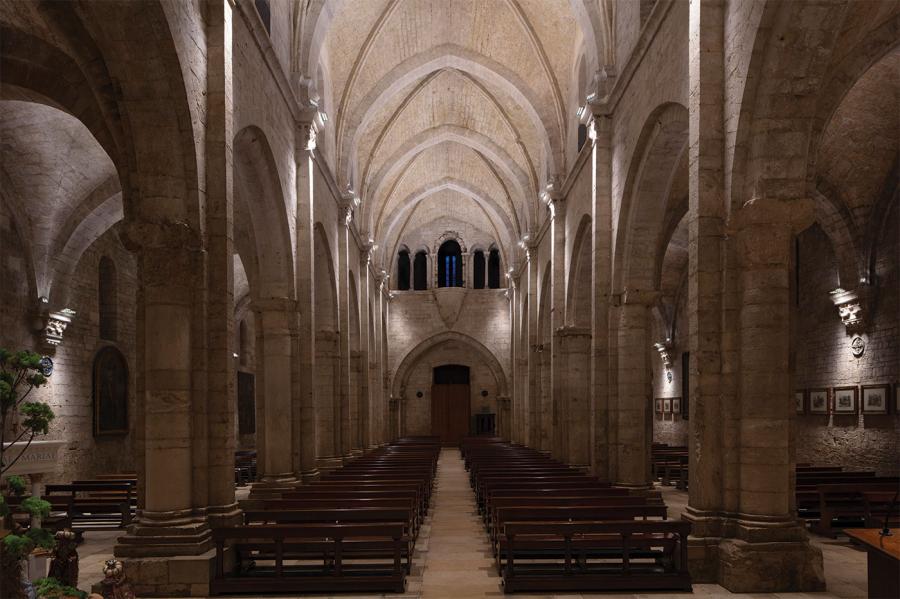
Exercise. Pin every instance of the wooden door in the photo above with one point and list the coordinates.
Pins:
(450, 411)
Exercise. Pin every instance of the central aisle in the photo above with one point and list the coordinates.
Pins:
(459, 561)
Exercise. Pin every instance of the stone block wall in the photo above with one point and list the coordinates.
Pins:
(69, 392)
(416, 318)
(824, 359)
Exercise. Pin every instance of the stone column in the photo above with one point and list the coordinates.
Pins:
(275, 341)
(533, 421)
(705, 234)
(304, 411)
(168, 523)
(633, 409)
(556, 433)
(365, 382)
(328, 408)
(768, 549)
(343, 442)
(221, 394)
(601, 250)
(575, 346)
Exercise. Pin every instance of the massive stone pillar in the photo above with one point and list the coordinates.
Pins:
(168, 522)
(633, 400)
(705, 283)
(328, 406)
(533, 423)
(554, 424)
(304, 410)
(342, 429)
(362, 428)
(767, 548)
(274, 323)
(601, 252)
(575, 348)
(185, 370)
(216, 418)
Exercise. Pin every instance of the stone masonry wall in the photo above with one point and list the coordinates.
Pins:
(70, 390)
(824, 359)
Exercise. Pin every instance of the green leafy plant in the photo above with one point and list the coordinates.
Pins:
(50, 588)
(20, 374)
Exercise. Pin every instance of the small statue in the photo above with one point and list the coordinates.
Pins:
(114, 584)
(64, 565)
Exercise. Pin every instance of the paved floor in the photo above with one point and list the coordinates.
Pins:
(453, 561)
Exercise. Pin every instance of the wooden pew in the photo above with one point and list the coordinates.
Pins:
(95, 504)
(843, 505)
(324, 558)
(586, 556)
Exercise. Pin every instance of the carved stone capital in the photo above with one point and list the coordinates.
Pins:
(852, 306)
(53, 325)
(665, 352)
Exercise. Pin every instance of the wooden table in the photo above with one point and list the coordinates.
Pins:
(883, 560)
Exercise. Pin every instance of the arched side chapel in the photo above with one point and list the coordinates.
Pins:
(286, 229)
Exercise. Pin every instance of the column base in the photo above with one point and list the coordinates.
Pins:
(224, 515)
(165, 534)
(753, 554)
(310, 476)
(174, 576)
(782, 566)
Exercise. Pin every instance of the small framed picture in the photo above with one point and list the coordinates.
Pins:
(846, 399)
(676, 405)
(800, 401)
(667, 406)
(818, 401)
(659, 406)
(875, 399)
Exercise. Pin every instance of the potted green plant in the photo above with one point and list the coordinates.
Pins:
(20, 374)
(50, 588)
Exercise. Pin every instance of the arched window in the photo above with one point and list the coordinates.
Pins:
(403, 270)
(478, 270)
(450, 265)
(265, 13)
(107, 296)
(420, 271)
(494, 269)
(110, 392)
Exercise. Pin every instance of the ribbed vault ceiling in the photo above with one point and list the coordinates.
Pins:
(453, 108)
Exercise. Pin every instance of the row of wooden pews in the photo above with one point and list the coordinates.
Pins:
(669, 464)
(354, 529)
(557, 528)
(831, 498)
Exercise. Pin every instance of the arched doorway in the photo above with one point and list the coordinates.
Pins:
(450, 403)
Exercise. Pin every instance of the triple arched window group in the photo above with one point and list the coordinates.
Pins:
(412, 273)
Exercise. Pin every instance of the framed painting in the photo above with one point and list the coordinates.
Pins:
(676, 405)
(875, 399)
(659, 406)
(846, 400)
(800, 402)
(667, 406)
(110, 392)
(818, 401)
